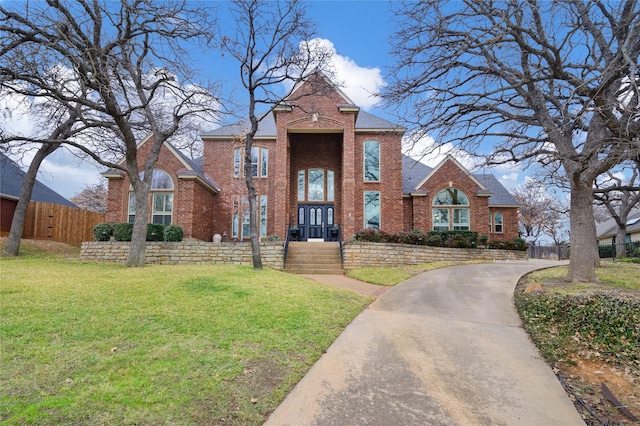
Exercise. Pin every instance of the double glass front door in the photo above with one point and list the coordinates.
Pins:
(315, 221)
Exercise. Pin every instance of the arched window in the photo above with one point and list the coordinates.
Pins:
(451, 211)
(161, 194)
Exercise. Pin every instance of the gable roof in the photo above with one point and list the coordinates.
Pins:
(267, 126)
(414, 174)
(610, 227)
(11, 178)
(193, 168)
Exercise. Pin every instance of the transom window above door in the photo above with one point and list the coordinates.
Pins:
(316, 185)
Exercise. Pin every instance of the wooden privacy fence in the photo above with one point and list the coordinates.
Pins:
(64, 224)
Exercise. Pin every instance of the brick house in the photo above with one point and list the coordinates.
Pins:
(318, 162)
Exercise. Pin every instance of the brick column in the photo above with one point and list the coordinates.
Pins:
(348, 181)
(281, 184)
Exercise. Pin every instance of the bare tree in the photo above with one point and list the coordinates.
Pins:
(123, 61)
(619, 196)
(92, 197)
(273, 44)
(549, 82)
(539, 212)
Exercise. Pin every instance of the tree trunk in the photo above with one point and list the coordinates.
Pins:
(621, 238)
(256, 256)
(20, 214)
(584, 245)
(139, 236)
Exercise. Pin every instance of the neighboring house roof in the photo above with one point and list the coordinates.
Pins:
(610, 227)
(414, 174)
(11, 178)
(267, 126)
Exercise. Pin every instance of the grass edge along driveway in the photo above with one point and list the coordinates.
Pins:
(97, 343)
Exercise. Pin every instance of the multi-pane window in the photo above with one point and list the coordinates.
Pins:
(161, 194)
(372, 161)
(372, 209)
(240, 220)
(316, 185)
(498, 222)
(259, 161)
(451, 211)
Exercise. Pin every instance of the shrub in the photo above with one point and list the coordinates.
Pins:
(483, 239)
(270, 238)
(519, 244)
(608, 323)
(155, 232)
(103, 231)
(372, 235)
(122, 231)
(173, 233)
(605, 250)
(434, 240)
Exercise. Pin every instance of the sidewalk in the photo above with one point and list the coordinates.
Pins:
(443, 348)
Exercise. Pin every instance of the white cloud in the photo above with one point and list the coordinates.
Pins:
(357, 82)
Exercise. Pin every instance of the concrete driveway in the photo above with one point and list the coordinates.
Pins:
(443, 348)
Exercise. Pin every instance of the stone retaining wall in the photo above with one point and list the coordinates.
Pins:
(185, 252)
(357, 254)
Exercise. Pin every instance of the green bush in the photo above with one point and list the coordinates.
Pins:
(605, 251)
(173, 233)
(608, 323)
(122, 231)
(271, 238)
(103, 231)
(155, 232)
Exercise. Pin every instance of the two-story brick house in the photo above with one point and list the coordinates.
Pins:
(318, 162)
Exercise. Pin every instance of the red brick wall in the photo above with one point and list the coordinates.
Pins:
(193, 205)
(418, 210)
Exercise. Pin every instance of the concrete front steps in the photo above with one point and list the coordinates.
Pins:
(314, 258)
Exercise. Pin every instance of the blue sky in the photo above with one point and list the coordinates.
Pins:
(359, 31)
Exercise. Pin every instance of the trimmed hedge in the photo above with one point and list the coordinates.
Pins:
(124, 232)
(173, 233)
(451, 239)
(103, 231)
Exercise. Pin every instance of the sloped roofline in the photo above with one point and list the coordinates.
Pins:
(300, 83)
(449, 157)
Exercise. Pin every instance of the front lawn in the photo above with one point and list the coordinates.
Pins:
(392, 275)
(589, 333)
(92, 343)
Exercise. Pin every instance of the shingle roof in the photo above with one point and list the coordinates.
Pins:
(413, 172)
(610, 227)
(267, 126)
(11, 178)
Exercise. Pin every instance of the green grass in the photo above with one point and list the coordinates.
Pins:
(567, 320)
(91, 343)
(392, 275)
(611, 274)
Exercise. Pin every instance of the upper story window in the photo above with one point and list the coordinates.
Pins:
(259, 161)
(161, 194)
(372, 161)
(452, 212)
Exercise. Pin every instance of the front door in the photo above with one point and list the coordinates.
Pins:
(314, 221)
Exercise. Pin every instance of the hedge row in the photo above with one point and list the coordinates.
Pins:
(123, 232)
(455, 239)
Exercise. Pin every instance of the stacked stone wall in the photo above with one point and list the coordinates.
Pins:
(357, 255)
(185, 252)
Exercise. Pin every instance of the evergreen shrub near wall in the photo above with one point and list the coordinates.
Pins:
(173, 233)
(451, 239)
(103, 231)
(124, 231)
